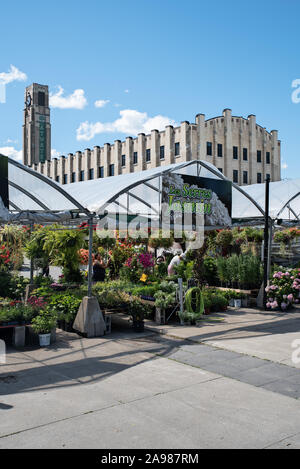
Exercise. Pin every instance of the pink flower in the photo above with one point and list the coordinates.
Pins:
(290, 297)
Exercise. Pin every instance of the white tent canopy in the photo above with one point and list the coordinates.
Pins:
(139, 192)
(284, 200)
(33, 196)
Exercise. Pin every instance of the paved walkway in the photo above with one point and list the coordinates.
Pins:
(266, 335)
(145, 390)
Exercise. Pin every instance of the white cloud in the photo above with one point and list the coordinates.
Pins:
(55, 153)
(101, 102)
(131, 122)
(11, 152)
(14, 74)
(76, 100)
(284, 165)
(9, 140)
(126, 91)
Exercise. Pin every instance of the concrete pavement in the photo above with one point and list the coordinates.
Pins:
(132, 390)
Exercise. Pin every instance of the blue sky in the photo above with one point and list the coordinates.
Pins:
(163, 60)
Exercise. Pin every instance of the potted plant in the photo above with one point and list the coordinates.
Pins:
(136, 309)
(186, 318)
(163, 300)
(43, 324)
(237, 302)
(244, 300)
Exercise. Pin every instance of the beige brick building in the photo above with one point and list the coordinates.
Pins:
(243, 150)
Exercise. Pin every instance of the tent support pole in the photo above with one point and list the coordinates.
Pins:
(90, 268)
(270, 249)
(266, 239)
(31, 260)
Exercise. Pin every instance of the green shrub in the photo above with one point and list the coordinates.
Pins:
(44, 322)
(65, 306)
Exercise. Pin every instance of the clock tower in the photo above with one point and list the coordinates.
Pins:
(36, 127)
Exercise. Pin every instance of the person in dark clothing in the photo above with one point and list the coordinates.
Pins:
(99, 267)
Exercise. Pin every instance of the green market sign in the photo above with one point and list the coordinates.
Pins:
(189, 199)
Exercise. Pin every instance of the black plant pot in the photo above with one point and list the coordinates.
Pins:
(68, 326)
(138, 326)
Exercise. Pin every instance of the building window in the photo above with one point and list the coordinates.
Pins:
(123, 161)
(235, 176)
(259, 156)
(91, 173)
(82, 175)
(162, 152)
(135, 157)
(258, 178)
(111, 170)
(235, 153)
(100, 172)
(57, 179)
(65, 179)
(220, 150)
(268, 157)
(209, 148)
(220, 169)
(177, 149)
(245, 154)
(41, 98)
(245, 177)
(268, 176)
(73, 177)
(148, 155)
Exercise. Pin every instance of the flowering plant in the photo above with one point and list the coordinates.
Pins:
(4, 258)
(284, 289)
(84, 256)
(37, 302)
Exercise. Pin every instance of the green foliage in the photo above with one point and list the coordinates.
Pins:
(5, 279)
(19, 313)
(210, 270)
(44, 322)
(215, 300)
(164, 300)
(224, 238)
(243, 270)
(147, 290)
(65, 306)
(17, 287)
(14, 238)
(138, 310)
(194, 301)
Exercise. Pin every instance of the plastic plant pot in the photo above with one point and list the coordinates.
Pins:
(44, 340)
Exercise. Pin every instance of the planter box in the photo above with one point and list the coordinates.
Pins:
(138, 326)
(160, 316)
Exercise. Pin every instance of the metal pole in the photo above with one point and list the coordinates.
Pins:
(266, 238)
(90, 268)
(180, 296)
(270, 250)
(31, 260)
